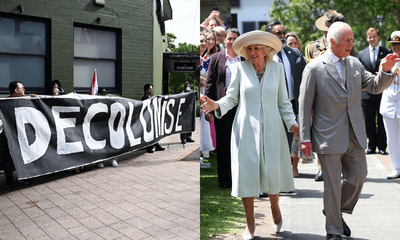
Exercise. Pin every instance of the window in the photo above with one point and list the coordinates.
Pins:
(248, 26)
(24, 50)
(96, 49)
(235, 3)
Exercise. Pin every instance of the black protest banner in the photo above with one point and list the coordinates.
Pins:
(48, 134)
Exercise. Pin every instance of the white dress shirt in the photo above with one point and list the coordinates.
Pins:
(228, 66)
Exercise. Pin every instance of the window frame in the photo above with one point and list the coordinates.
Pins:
(47, 54)
(117, 60)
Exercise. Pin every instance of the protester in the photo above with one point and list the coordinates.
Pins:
(293, 66)
(186, 137)
(318, 47)
(390, 110)
(218, 80)
(370, 57)
(148, 90)
(259, 145)
(293, 41)
(57, 88)
(16, 90)
(331, 89)
(113, 162)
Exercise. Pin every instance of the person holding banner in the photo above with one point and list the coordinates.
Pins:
(186, 137)
(259, 147)
(148, 90)
(16, 90)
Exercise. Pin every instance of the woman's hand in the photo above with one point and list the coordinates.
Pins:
(295, 130)
(209, 105)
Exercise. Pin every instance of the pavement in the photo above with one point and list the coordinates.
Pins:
(148, 196)
(376, 215)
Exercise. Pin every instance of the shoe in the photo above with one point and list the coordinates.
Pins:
(277, 227)
(159, 148)
(149, 150)
(333, 237)
(26, 181)
(100, 165)
(383, 152)
(369, 151)
(114, 162)
(263, 195)
(189, 140)
(9, 185)
(319, 177)
(346, 229)
(249, 236)
(394, 174)
(183, 141)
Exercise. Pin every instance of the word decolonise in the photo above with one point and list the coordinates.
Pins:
(48, 134)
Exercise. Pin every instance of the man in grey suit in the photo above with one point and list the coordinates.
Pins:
(293, 64)
(331, 92)
(371, 57)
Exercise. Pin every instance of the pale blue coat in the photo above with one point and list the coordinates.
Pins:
(253, 170)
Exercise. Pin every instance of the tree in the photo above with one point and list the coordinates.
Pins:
(299, 16)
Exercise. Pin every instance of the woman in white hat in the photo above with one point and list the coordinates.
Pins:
(259, 147)
(390, 110)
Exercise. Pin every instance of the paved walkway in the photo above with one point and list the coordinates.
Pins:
(148, 196)
(376, 216)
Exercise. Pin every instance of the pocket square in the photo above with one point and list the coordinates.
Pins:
(356, 73)
(298, 60)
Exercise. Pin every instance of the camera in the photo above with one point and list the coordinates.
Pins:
(215, 8)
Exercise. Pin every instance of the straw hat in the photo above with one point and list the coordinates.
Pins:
(256, 37)
(394, 37)
(330, 16)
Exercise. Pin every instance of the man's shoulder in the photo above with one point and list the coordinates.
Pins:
(295, 50)
(384, 50)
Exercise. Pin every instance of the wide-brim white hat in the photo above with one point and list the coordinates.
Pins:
(256, 37)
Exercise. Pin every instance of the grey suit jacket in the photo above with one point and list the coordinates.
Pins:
(364, 57)
(297, 64)
(323, 94)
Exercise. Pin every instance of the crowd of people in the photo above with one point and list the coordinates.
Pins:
(268, 107)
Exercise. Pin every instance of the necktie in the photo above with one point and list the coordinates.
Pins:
(373, 60)
(281, 61)
(343, 71)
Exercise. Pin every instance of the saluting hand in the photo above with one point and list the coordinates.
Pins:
(208, 105)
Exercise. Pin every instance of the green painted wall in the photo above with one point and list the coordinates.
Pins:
(141, 37)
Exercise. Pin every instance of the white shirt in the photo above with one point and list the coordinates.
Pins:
(288, 72)
(390, 103)
(228, 65)
(337, 63)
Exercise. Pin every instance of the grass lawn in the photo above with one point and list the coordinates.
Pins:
(219, 212)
